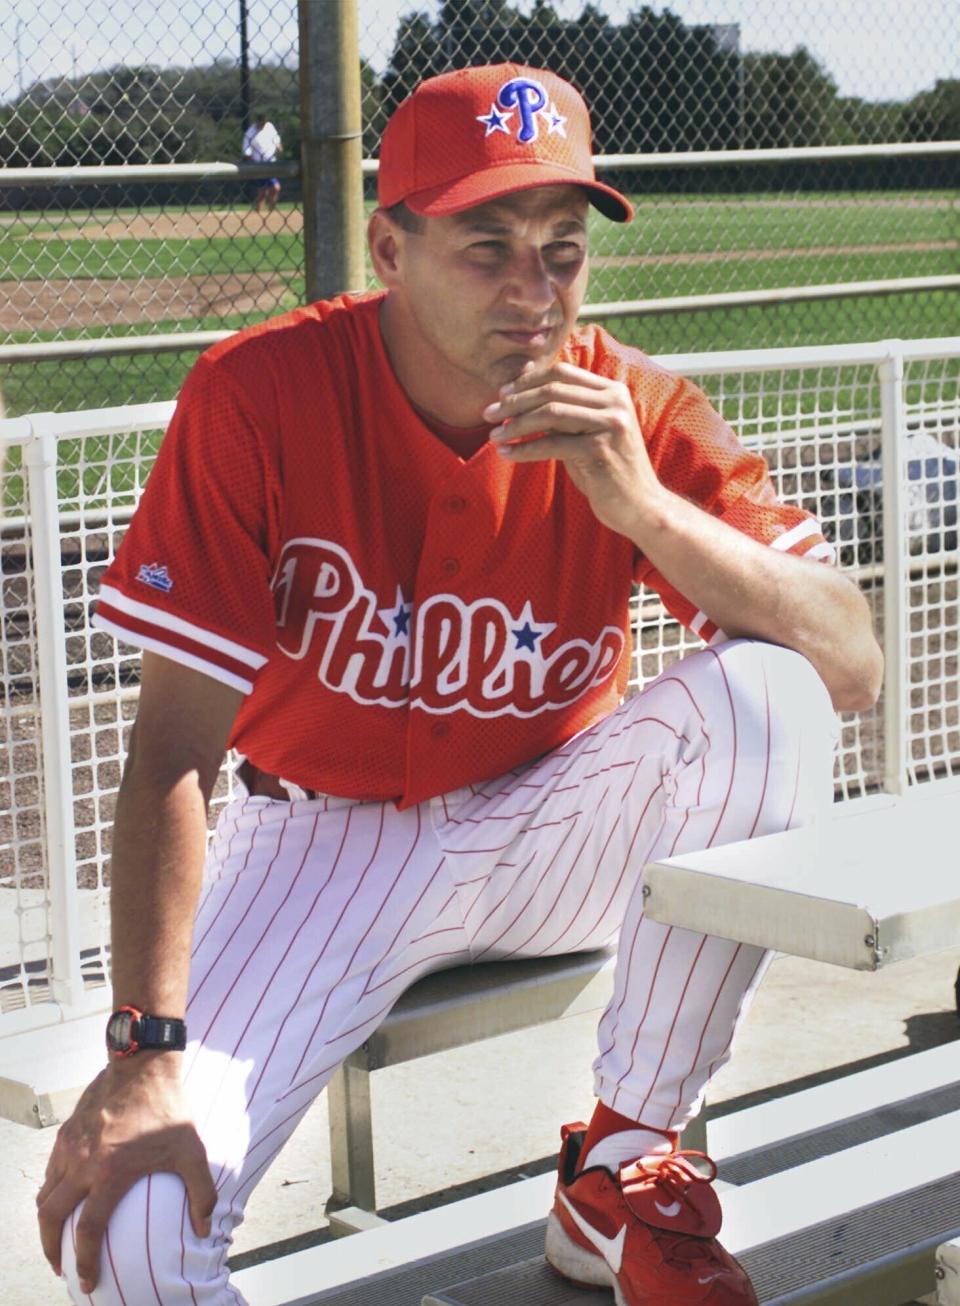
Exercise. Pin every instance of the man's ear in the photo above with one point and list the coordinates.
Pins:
(385, 241)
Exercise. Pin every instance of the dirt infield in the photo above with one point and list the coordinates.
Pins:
(186, 225)
(98, 302)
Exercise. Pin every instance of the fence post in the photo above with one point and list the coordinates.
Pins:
(332, 147)
(896, 687)
(40, 461)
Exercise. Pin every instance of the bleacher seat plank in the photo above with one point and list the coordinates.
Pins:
(863, 888)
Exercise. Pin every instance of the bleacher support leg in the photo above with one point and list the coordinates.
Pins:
(694, 1136)
(948, 1273)
(351, 1137)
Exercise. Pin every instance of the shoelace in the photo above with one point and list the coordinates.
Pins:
(674, 1173)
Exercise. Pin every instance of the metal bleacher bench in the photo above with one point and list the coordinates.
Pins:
(838, 1194)
(446, 1010)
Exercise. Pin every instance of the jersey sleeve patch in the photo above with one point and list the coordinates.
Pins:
(179, 640)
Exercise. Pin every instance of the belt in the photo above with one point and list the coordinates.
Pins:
(260, 784)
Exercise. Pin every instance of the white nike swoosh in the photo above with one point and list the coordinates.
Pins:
(710, 1277)
(611, 1249)
(669, 1211)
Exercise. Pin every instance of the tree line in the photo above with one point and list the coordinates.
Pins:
(653, 82)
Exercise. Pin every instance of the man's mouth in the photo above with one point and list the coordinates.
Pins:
(529, 338)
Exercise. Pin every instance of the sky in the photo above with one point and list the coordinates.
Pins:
(877, 49)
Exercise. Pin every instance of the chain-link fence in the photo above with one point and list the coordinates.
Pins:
(88, 84)
(164, 83)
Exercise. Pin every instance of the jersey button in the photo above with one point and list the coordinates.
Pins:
(455, 503)
(440, 729)
(450, 566)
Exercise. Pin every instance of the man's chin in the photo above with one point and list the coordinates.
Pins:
(510, 366)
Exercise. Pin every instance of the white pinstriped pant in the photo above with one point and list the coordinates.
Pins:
(317, 915)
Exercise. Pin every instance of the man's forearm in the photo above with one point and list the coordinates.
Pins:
(751, 590)
(156, 866)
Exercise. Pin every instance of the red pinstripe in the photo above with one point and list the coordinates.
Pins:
(404, 923)
(184, 1207)
(366, 934)
(497, 905)
(706, 1025)
(616, 888)
(266, 930)
(490, 947)
(146, 1243)
(726, 1047)
(253, 834)
(673, 1026)
(73, 1239)
(260, 888)
(733, 760)
(653, 985)
(113, 1268)
(336, 926)
(548, 913)
(375, 988)
(766, 763)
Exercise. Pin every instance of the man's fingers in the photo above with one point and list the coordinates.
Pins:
(532, 449)
(54, 1176)
(530, 377)
(512, 406)
(90, 1228)
(552, 418)
(201, 1191)
(52, 1212)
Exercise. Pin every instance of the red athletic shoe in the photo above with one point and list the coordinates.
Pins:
(648, 1234)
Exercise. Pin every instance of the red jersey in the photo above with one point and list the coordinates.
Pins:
(402, 621)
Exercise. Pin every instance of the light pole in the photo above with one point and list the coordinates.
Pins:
(244, 69)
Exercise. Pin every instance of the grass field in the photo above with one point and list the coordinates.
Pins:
(93, 274)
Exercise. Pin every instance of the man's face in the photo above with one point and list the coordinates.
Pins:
(492, 288)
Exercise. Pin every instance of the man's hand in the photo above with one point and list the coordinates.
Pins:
(587, 422)
(130, 1122)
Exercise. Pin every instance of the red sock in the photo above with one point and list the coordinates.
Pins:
(605, 1122)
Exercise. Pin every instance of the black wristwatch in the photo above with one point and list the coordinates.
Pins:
(130, 1031)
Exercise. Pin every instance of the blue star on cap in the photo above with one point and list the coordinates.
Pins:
(556, 121)
(495, 121)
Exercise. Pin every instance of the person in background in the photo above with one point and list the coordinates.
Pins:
(262, 144)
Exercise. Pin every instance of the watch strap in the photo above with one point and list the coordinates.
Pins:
(162, 1032)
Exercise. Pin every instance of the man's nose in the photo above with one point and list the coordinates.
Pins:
(531, 286)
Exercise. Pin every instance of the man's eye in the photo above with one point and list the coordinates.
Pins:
(565, 249)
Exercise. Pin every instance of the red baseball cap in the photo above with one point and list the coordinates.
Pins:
(478, 133)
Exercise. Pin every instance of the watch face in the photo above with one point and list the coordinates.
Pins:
(120, 1031)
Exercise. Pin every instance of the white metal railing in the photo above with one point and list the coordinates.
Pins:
(110, 174)
(834, 423)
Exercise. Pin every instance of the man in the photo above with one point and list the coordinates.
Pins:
(386, 552)
(262, 144)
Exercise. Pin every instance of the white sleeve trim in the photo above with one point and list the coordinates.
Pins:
(167, 621)
(699, 621)
(822, 550)
(174, 654)
(796, 533)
